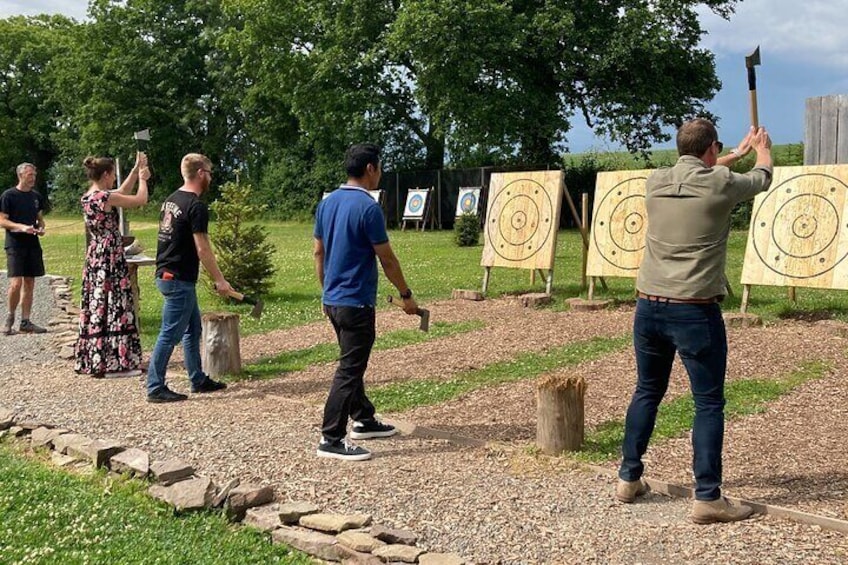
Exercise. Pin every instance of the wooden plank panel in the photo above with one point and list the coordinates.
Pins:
(812, 131)
(829, 125)
(522, 220)
(798, 235)
(619, 224)
(842, 129)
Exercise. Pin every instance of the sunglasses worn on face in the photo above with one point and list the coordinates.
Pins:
(720, 145)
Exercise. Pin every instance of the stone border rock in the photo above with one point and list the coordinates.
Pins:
(64, 323)
(349, 539)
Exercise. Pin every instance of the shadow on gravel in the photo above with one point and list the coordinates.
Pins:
(830, 486)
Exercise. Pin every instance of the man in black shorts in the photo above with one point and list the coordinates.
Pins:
(21, 210)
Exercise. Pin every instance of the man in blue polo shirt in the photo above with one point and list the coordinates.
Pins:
(350, 234)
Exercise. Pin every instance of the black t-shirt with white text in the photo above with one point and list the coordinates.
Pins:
(23, 208)
(182, 215)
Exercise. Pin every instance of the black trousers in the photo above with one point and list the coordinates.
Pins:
(355, 331)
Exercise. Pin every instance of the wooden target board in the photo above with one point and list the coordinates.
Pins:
(619, 224)
(798, 235)
(522, 220)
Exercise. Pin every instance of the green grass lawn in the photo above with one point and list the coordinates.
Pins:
(50, 515)
(433, 266)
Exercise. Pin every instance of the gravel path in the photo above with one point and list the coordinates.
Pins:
(27, 348)
(493, 504)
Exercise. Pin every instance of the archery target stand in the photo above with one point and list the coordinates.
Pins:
(419, 208)
(798, 235)
(521, 223)
(619, 225)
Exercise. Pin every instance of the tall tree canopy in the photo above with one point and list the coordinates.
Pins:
(276, 89)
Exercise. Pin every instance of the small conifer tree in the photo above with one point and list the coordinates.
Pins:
(467, 230)
(244, 255)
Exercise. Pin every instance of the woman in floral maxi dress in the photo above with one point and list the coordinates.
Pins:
(108, 342)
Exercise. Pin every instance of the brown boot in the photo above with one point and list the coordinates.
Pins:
(8, 327)
(627, 491)
(711, 511)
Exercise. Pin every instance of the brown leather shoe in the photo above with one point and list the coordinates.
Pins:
(9, 326)
(712, 511)
(627, 491)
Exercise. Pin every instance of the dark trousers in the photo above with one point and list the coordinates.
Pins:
(696, 332)
(355, 331)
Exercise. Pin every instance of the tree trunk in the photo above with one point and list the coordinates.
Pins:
(559, 413)
(221, 353)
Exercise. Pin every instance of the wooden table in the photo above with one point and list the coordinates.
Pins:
(134, 262)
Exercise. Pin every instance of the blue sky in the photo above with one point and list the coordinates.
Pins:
(804, 50)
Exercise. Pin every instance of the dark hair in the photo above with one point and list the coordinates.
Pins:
(359, 156)
(695, 137)
(95, 167)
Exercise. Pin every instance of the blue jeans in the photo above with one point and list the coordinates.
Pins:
(180, 322)
(696, 332)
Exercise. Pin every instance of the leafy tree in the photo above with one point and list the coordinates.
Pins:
(244, 255)
(29, 112)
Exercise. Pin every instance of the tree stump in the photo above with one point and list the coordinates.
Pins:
(559, 413)
(221, 352)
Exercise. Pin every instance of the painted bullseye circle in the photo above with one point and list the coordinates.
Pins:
(804, 229)
(520, 220)
(468, 203)
(416, 202)
(621, 223)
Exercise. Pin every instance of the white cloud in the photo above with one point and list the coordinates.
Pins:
(71, 8)
(811, 32)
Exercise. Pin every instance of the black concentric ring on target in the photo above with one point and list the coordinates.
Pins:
(618, 207)
(795, 221)
(503, 227)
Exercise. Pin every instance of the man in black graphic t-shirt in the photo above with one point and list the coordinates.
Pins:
(183, 245)
(21, 216)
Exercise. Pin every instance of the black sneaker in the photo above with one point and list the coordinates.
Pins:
(209, 386)
(341, 449)
(371, 429)
(165, 394)
(28, 327)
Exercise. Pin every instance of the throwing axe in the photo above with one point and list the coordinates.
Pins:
(422, 313)
(257, 303)
(752, 61)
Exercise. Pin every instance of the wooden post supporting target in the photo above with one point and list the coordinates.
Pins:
(521, 223)
(798, 235)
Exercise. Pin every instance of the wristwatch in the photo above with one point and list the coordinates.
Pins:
(406, 295)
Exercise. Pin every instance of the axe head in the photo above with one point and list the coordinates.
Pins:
(257, 304)
(142, 139)
(424, 326)
(753, 59)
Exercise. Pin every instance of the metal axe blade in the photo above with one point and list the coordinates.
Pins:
(424, 326)
(753, 59)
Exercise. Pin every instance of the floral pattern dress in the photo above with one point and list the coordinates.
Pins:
(108, 334)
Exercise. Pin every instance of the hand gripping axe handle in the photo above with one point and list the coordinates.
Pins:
(422, 313)
(752, 61)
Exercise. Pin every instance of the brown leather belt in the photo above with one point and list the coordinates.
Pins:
(653, 298)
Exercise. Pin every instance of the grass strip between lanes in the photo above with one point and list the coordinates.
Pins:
(300, 359)
(744, 397)
(401, 396)
(55, 516)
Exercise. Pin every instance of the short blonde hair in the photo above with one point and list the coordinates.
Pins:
(192, 163)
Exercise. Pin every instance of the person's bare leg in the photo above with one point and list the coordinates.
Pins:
(13, 297)
(26, 297)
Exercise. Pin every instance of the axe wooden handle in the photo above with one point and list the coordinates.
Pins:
(755, 119)
(235, 294)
